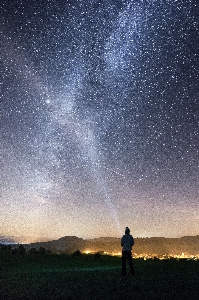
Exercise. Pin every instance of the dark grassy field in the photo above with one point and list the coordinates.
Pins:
(91, 277)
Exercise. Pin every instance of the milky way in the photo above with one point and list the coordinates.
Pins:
(99, 118)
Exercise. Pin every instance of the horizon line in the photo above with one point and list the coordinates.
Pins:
(16, 239)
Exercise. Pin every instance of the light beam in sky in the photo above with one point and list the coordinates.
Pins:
(82, 134)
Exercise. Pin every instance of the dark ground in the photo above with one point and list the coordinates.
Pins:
(71, 277)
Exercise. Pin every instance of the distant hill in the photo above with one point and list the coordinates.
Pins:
(174, 246)
(154, 245)
(67, 244)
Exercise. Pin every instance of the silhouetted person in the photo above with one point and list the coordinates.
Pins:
(127, 242)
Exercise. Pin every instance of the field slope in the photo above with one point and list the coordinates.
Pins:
(89, 277)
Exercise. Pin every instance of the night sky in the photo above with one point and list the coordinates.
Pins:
(99, 127)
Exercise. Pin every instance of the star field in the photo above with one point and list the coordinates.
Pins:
(99, 118)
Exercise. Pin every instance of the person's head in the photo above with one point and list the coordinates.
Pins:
(127, 230)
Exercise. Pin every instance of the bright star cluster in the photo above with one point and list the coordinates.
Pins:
(99, 118)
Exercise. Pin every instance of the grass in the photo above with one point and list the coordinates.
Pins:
(89, 277)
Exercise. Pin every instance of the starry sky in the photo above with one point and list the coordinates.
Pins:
(99, 127)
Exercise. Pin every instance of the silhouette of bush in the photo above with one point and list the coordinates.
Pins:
(156, 258)
(97, 255)
(77, 253)
(14, 251)
(42, 251)
(5, 248)
(172, 259)
(19, 251)
(33, 251)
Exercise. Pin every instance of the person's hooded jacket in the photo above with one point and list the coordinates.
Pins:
(127, 241)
